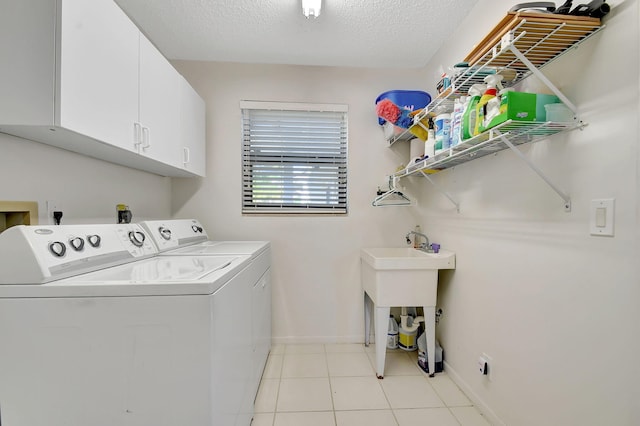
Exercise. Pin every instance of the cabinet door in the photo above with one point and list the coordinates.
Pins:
(192, 129)
(159, 106)
(98, 71)
(27, 49)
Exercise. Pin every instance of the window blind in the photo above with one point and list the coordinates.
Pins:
(294, 158)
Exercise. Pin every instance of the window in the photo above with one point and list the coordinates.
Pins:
(294, 158)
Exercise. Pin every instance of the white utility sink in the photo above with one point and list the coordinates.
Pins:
(407, 258)
(401, 276)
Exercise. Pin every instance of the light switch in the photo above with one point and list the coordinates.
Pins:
(601, 217)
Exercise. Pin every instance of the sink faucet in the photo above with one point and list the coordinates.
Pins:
(422, 246)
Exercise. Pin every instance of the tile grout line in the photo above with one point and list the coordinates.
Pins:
(275, 408)
(442, 399)
(333, 404)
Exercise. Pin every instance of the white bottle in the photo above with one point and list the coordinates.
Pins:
(430, 143)
(392, 334)
(456, 120)
(416, 237)
(443, 128)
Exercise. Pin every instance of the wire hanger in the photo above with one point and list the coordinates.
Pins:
(392, 197)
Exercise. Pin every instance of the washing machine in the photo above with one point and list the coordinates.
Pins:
(96, 329)
(187, 237)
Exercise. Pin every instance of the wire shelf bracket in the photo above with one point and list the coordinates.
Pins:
(565, 198)
(442, 191)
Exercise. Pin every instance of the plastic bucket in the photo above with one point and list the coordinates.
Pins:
(409, 99)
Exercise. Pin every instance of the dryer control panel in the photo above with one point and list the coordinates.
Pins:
(39, 254)
(171, 234)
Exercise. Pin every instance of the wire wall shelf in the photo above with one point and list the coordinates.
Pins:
(521, 44)
(490, 142)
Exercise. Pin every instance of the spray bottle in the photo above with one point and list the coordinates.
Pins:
(430, 143)
(494, 111)
(483, 107)
(469, 114)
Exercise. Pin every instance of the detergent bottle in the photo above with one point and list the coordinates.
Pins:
(489, 95)
(469, 114)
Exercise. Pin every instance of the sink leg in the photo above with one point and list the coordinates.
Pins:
(382, 324)
(430, 334)
(368, 307)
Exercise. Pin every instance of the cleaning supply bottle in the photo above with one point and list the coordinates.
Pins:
(489, 95)
(456, 120)
(408, 329)
(496, 107)
(430, 143)
(392, 333)
(443, 127)
(469, 114)
(416, 243)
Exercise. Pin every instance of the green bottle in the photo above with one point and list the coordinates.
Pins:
(469, 117)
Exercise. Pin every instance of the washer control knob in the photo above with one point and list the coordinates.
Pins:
(165, 232)
(136, 238)
(196, 228)
(94, 240)
(57, 248)
(77, 243)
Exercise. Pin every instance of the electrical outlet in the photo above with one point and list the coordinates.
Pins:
(483, 366)
(52, 206)
(486, 366)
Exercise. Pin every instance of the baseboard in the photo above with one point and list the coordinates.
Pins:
(293, 340)
(477, 401)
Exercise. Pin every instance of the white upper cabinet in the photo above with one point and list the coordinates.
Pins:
(79, 75)
(192, 129)
(98, 72)
(159, 117)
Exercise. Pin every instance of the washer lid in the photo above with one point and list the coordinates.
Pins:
(222, 248)
(162, 275)
(159, 269)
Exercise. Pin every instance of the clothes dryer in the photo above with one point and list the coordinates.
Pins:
(187, 237)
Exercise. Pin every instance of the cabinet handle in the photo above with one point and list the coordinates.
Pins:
(136, 134)
(186, 155)
(146, 137)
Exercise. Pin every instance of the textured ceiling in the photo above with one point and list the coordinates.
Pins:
(353, 33)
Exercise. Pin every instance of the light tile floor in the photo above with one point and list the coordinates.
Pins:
(335, 385)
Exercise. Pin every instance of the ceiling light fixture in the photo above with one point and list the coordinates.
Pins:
(311, 8)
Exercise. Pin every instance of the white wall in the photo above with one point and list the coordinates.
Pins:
(556, 308)
(86, 189)
(316, 291)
